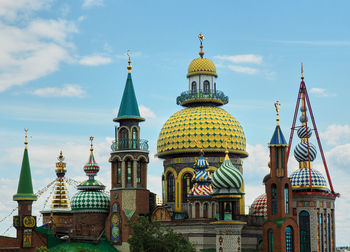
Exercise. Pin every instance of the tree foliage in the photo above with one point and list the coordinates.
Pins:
(147, 236)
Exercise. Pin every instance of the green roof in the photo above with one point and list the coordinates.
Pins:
(129, 108)
(25, 186)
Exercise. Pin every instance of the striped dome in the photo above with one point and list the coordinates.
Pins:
(300, 180)
(259, 206)
(227, 176)
(302, 132)
(90, 201)
(301, 153)
(201, 190)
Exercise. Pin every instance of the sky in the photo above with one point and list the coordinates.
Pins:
(63, 71)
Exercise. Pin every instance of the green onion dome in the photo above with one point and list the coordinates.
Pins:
(90, 201)
(91, 197)
(227, 176)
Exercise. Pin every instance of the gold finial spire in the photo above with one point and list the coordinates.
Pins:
(302, 71)
(129, 67)
(201, 38)
(278, 106)
(25, 138)
(91, 139)
(60, 157)
(226, 149)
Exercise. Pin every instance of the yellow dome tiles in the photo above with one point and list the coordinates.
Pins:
(210, 124)
(201, 66)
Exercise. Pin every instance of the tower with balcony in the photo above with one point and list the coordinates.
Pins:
(129, 159)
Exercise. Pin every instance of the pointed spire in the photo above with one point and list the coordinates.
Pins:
(60, 198)
(226, 149)
(129, 108)
(201, 38)
(25, 186)
(302, 71)
(277, 137)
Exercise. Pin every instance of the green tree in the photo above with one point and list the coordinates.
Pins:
(147, 236)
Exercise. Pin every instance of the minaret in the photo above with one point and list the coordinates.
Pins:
(129, 159)
(90, 205)
(24, 222)
(59, 216)
(313, 201)
(280, 230)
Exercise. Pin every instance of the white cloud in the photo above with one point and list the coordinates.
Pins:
(10, 10)
(146, 112)
(94, 60)
(69, 90)
(92, 3)
(243, 58)
(241, 69)
(336, 134)
(320, 92)
(34, 50)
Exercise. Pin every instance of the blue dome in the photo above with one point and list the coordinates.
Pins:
(301, 153)
(302, 132)
(300, 180)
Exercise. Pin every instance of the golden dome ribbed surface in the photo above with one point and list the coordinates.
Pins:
(201, 66)
(210, 124)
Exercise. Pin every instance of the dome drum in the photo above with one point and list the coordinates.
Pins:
(216, 97)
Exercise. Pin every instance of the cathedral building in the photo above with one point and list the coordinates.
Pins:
(203, 149)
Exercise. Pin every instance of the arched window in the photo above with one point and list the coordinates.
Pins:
(205, 210)
(329, 242)
(186, 185)
(286, 199)
(197, 210)
(171, 187)
(289, 239)
(194, 87)
(206, 87)
(321, 231)
(129, 173)
(119, 175)
(304, 229)
(138, 177)
(274, 199)
(134, 138)
(270, 240)
(123, 139)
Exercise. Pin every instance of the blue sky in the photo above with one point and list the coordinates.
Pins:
(63, 70)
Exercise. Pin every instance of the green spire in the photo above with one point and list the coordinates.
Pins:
(25, 186)
(129, 108)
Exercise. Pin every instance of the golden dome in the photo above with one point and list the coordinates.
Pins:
(211, 125)
(201, 66)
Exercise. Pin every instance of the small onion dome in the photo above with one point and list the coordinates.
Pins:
(259, 206)
(201, 66)
(227, 176)
(300, 180)
(266, 178)
(301, 153)
(201, 190)
(202, 163)
(91, 184)
(90, 201)
(91, 168)
(302, 132)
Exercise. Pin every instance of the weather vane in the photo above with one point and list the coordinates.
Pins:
(129, 67)
(277, 106)
(201, 38)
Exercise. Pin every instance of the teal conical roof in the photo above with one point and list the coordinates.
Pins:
(129, 108)
(25, 186)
